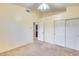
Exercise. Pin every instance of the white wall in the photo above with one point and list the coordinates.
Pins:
(16, 26)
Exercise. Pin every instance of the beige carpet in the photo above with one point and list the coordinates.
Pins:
(39, 48)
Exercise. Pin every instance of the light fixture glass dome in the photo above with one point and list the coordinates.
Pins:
(43, 7)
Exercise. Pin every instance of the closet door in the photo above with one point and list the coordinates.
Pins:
(40, 31)
(49, 31)
(60, 32)
(77, 34)
(72, 34)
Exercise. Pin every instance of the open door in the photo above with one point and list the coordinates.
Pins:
(41, 31)
(35, 31)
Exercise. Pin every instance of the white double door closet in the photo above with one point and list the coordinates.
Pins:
(61, 32)
(52, 32)
(67, 33)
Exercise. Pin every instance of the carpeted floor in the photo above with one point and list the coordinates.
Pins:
(39, 48)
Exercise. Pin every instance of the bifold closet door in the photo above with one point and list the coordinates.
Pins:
(41, 31)
(60, 32)
(49, 31)
(72, 34)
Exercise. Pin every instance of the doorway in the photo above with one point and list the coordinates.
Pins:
(35, 31)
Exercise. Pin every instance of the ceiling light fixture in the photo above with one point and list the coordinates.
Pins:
(43, 7)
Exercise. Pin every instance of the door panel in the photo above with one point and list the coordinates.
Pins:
(40, 32)
(49, 32)
(77, 34)
(60, 32)
(72, 34)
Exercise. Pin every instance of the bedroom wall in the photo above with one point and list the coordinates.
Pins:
(16, 26)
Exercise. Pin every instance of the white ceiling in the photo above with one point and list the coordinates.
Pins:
(53, 6)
